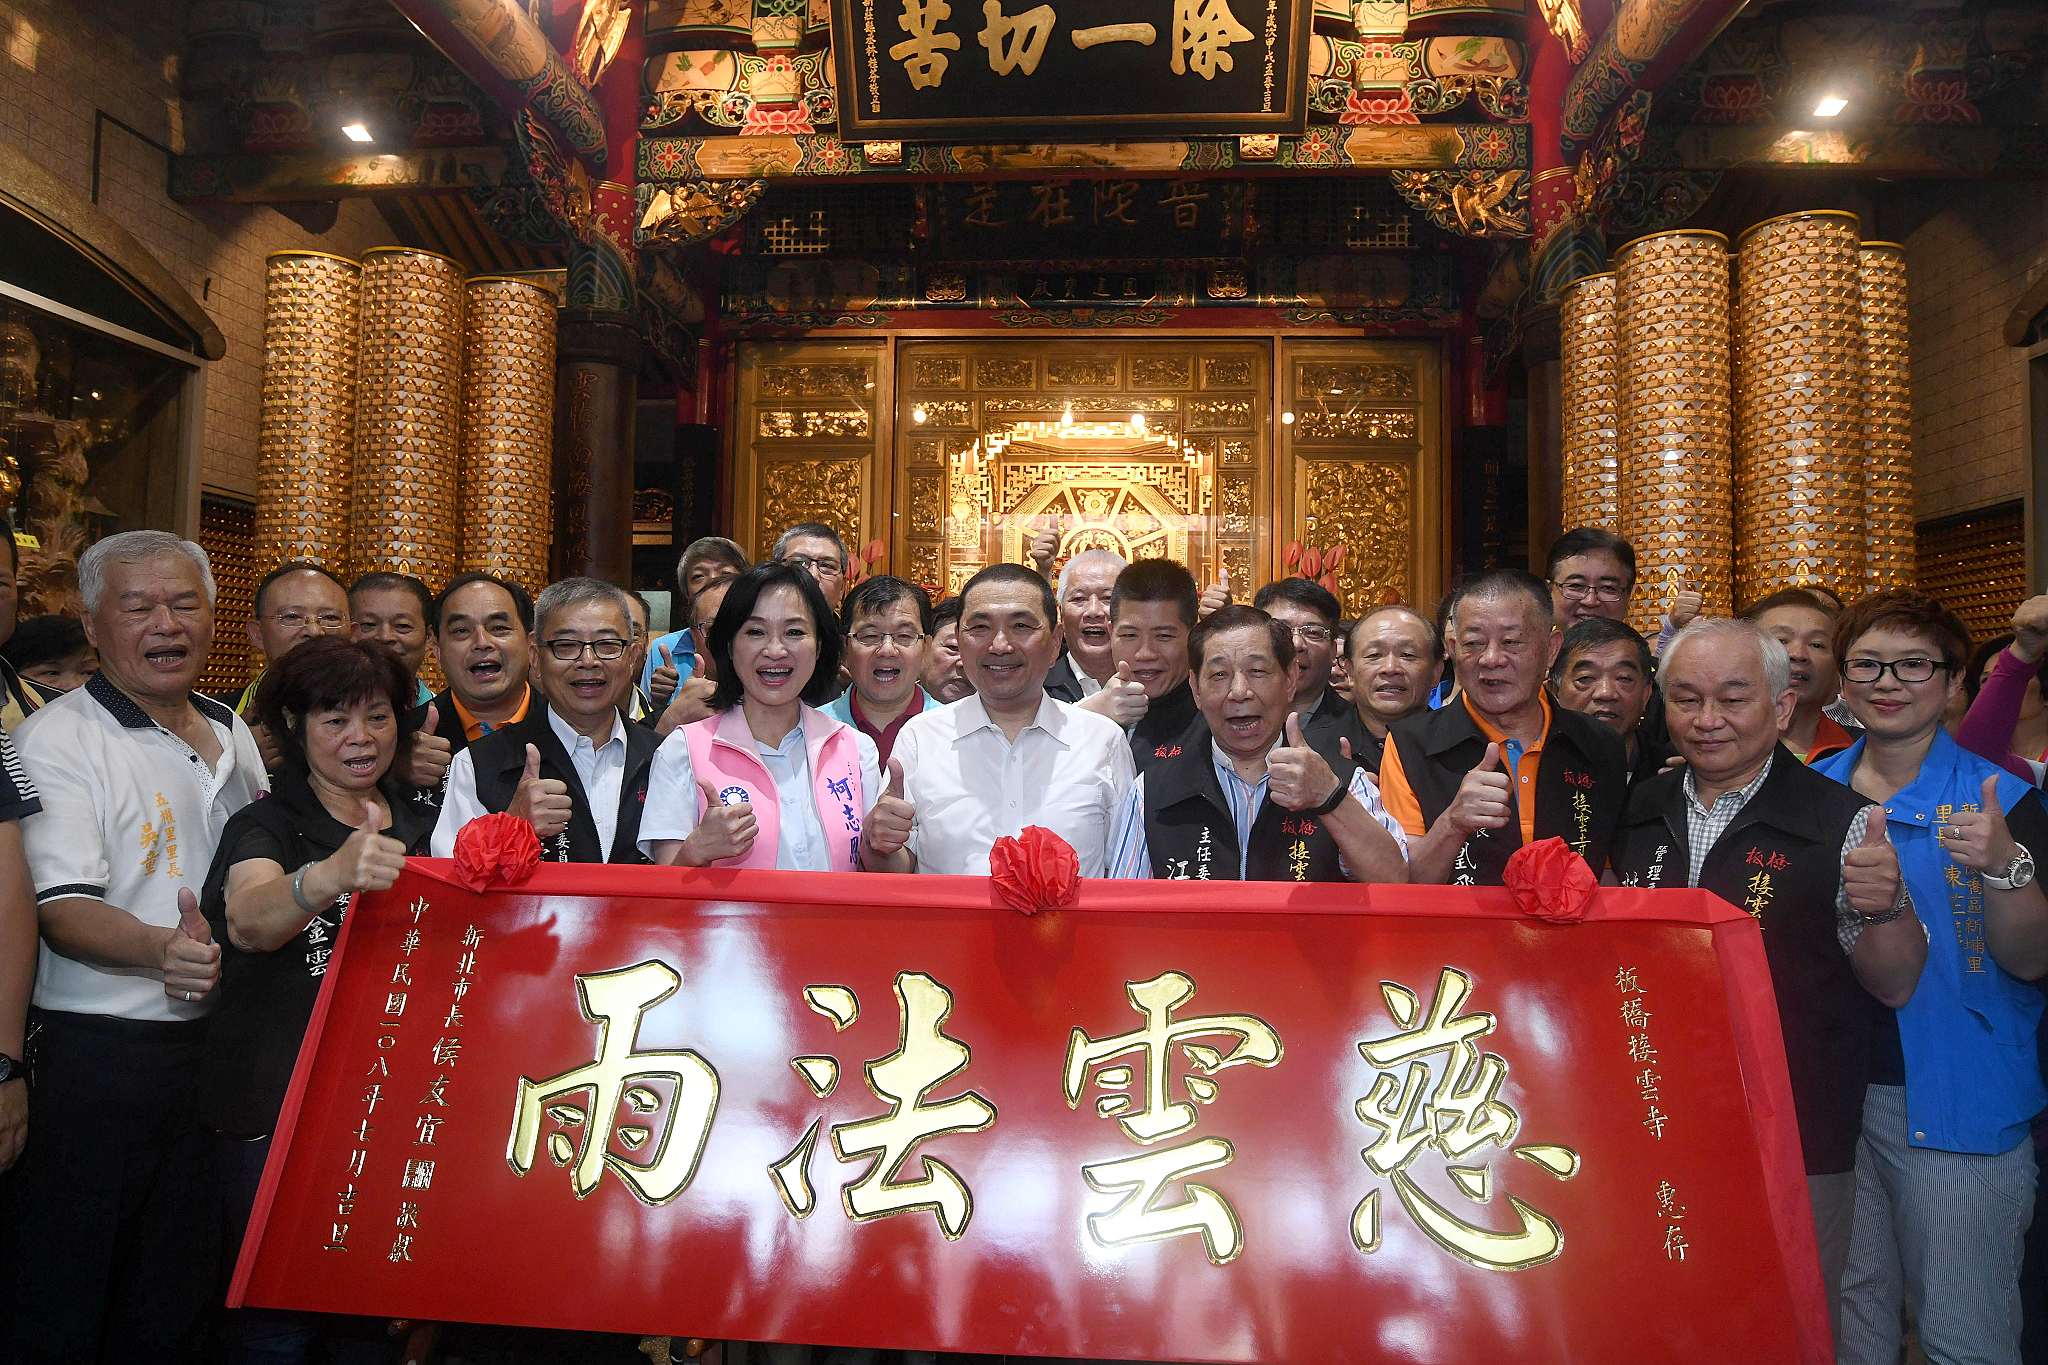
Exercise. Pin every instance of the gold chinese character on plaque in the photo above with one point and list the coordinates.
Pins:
(1139, 1094)
(1015, 43)
(925, 1059)
(1203, 31)
(668, 1097)
(923, 53)
(1435, 1091)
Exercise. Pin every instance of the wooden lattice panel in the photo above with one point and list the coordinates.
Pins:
(1977, 564)
(227, 532)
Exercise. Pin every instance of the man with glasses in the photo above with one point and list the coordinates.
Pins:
(1310, 610)
(1011, 755)
(817, 547)
(1592, 573)
(888, 631)
(1499, 767)
(574, 768)
(295, 602)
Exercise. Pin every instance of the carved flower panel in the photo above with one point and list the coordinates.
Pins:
(997, 372)
(922, 566)
(945, 413)
(1235, 504)
(814, 424)
(1367, 505)
(938, 372)
(1219, 414)
(1355, 422)
(810, 490)
(1235, 450)
(1354, 381)
(926, 499)
(1037, 409)
(814, 381)
(1160, 371)
(1081, 372)
(1227, 372)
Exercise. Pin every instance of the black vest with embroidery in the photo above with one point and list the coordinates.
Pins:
(1781, 860)
(1189, 833)
(1581, 785)
(1158, 732)
(500, 759)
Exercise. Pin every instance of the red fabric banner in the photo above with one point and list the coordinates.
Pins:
(1253, 1123)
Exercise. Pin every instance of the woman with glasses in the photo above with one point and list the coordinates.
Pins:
(1945, 1167)
(888, 634)
(573, 766)
(767, 780)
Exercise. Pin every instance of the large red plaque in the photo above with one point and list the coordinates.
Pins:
(1242, 1123)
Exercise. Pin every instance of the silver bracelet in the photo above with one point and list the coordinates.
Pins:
(299, 891)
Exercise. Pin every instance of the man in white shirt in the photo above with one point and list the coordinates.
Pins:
(574, 767)
(106, 1226)
(1009, 755)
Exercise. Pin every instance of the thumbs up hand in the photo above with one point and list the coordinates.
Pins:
(1979, 839)
(371, 860)
(542, 802)
(1870, 872)
(1686, 604)
(191, 959)
(431, 754)
(691, 703)
(1215, 597)
(1482, 801)
(1122, 698)
(1043, 545)
(722, 832)
(661, 684)
(1300, 779)
(889, 823)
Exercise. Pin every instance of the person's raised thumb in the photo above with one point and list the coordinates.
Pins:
(895, 787)
(532, 772)
(668, 656)
(431, 722)
(373, 819)
(1123, 671)
(710, 795)
(1991, 801)
(1491, 762)
(191, 923)
(1344, 747)
(1294, 739)
(1874, 835)
(1223, 579)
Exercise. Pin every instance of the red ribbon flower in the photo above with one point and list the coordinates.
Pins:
(1034, 871)
(1549, 881)
(496, 850)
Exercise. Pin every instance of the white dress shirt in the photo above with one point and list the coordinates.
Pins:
(671, 811)
(130, 816)
(1068, 771)
(1089, 687)
(601, 768)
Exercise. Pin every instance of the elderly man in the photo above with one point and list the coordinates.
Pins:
(1310, 610)
(1396, 661)
(945, 677)
(573, 767)
(1499, 768)
(888, 623)
(102, 1221)
(1747, 821)
(671, 658)
(1603, 670)
(1010, 755)
(1805, 626)
(1085, 586)
(1152, 608)
(817, 547)
(1243, 771)
(391, 609)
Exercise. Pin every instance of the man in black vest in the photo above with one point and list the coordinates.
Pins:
(1396, 662)
(574, 767)
(1311, 610)
(1501, 766)
(1245, 798)
(1604, 670)
(1151, 610)
(1748, 821)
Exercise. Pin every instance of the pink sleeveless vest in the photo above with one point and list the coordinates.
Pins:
(722, 753)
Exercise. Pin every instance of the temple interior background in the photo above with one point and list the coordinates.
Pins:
(556, 286)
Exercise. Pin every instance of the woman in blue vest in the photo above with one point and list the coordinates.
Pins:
(1945, 1168)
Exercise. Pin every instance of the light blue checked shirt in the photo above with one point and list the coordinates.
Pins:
(1130, 856)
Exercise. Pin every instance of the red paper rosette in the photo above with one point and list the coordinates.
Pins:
(1550, 882)
(1034, 871)
(496, 850)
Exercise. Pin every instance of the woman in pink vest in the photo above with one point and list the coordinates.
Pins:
(767, 780)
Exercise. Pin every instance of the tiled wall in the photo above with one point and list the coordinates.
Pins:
(62, 65)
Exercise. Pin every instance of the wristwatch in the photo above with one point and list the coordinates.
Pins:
(2018, 873)
(11, 1069)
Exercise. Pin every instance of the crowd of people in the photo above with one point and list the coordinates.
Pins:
(163, 931)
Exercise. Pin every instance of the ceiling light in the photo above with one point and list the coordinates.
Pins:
(1829, 106)
(918, 414)
(357, 132)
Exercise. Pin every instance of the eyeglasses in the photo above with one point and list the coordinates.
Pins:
(1315, 635)
(1577, 590)
(823, 568)
(872, 639)
(1908, 670)
(298, 620)
(569, 651)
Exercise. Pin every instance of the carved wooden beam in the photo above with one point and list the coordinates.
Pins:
(241, 179)
(495, 44)
(1881, 149)
(1640, 50)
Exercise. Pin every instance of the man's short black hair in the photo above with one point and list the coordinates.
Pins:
(522, 601)
(946, 613)
(1788, 597)
(881, 592)
(1303, 592)
(285, 570)
(1590, 540)
(1592, 633)
(40, 640)
(741, 596)
(1237, 616)
(816, 530)
(1157, 580)
(393, 582)
(1506, 583)
(996, 574)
